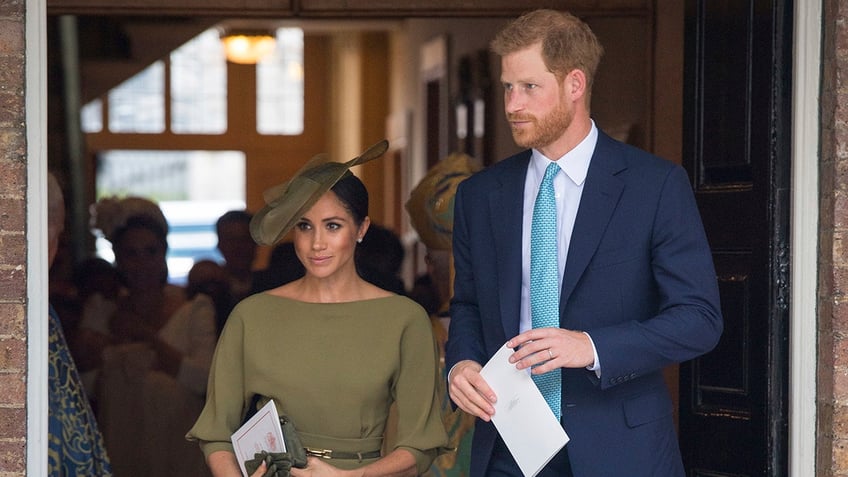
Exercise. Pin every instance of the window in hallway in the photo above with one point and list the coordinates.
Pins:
(192, 83)
(163, 134)
(279, 86)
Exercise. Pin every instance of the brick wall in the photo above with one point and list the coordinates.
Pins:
(832, 405)
(13, 253)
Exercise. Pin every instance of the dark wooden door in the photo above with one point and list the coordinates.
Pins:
(734, 401)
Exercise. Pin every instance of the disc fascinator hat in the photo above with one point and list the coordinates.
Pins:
(430, 203)
(287, 202)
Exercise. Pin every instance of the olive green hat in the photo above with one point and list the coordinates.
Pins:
(430, 203)
(287, 202)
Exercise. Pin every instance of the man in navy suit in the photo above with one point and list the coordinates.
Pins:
(637, 285)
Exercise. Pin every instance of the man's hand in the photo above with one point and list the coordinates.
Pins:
(470, 391)
(548, 349)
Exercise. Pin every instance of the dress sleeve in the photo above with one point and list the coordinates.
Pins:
(194, 368)
(420, 430)
(221, 414)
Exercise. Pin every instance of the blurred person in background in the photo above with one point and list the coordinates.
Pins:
(379, 258)
(210, 278)
(239, 251)
(151, 351)
(430, 208)
(283, 267)
(74, 443)
(98, 285)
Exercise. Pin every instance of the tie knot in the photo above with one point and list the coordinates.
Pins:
(551, 172)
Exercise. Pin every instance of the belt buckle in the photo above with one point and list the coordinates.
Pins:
(322, 453)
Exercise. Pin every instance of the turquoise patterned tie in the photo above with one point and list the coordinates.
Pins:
(544, 278)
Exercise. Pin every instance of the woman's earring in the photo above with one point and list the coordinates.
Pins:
(359, 240)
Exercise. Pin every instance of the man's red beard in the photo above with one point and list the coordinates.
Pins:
(541, 132)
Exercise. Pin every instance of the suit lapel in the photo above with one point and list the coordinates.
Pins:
(601, 193)
(506, 206)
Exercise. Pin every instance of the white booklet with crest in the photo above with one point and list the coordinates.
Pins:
(261, 432)
(522, 416)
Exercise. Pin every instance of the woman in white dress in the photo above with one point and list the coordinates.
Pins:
(152, 350)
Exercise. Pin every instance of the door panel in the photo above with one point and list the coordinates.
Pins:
(733, 401)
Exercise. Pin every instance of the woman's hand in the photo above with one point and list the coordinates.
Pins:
(317, 467)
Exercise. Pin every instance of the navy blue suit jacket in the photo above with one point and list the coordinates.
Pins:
(639, 278)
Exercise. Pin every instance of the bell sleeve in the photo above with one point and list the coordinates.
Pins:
(222, 413)
(420, 428)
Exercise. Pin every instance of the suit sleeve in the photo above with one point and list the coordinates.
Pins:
(465, 340)
(688, 320)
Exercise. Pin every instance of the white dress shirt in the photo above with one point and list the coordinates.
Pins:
(568, 188)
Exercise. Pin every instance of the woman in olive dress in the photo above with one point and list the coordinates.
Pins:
(332, 350)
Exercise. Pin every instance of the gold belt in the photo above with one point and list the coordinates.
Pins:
(331, 454)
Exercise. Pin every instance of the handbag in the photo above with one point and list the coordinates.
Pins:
(278, 463)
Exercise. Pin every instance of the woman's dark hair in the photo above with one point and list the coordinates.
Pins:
(353, 195)
(146, 223)
(141, 222)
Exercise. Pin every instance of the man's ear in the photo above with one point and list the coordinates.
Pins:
(575, 83)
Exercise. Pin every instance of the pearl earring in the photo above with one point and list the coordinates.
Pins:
(359, 240)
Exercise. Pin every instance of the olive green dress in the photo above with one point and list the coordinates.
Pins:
(335, 369)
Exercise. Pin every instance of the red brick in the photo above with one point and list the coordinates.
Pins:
(12, 150)
(12, 215)
(13, 354)
(840, 384)
(839, 348)
(11, 109)
(12, 420)
(12, 457)
(12, 74)
(13, 247)
(12, 322)
(840, 456)
(13, 284)
(12, 173)
(840, 209)
(12, 9)
(840, 422)
(11, 37)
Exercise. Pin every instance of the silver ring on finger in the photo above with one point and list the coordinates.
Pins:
(550, 354)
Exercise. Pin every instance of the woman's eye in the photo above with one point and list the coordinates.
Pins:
(333, 226)
(302, 226)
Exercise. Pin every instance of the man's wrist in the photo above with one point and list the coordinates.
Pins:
(596, 365)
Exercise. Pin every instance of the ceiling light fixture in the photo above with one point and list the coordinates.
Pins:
(248, 47)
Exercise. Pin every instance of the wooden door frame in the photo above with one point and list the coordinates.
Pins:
(803, 316)
(806, 134)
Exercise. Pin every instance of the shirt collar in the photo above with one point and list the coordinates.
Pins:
(575, 163)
